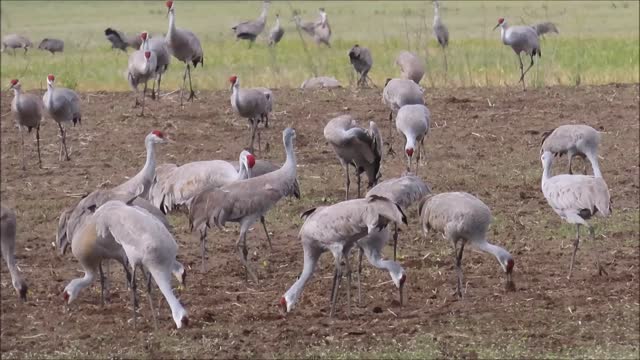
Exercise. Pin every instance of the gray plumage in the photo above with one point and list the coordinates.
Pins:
(575, 198)
(185, 46)
(15, 41)
(398, 93)
(28, 111)
(276, 33)
(8, 249)
(573, 140)
(338, 228)
(404, 191)
(51, 45)
(262, 167)
(440, 31)
(148, 245)
(361, 60)
(252, 104)
(545, 28)
(249, 30)
(245, 201)
(141, 68)
(413, 121)
(120, 40)
(158, 45)
(411, 66)
(320, 30)
(520, 39)
(63, 105)
(355, 146)
(464, 220)
(321, 82)
(140, 184)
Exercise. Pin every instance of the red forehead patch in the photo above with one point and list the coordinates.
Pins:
(51, 77)
(158, 133)
(510, 265)
(500, 21)
(14, 81)
(251, 161)
(147, 54)
(169, 4)
(143, 35)
(233, 79)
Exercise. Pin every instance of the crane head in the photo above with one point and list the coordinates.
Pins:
(409, 152)
(251, 161)
(51, 79)
(233, 79)
(500, 22)
(147, 55)
(144, 35)
(13, 84)
(169, 4)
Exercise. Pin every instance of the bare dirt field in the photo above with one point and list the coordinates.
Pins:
(483, 141)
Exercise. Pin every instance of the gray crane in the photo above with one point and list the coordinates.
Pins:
(141, 68)
(440, 31)
(413, 121)
(158, 45)
(15, 41)
(576, 199)
(121, 41)
(573, 140)
(546, 27)
(276, 33)
(51, 45)
(148, 245)
(521, 39)
(464, 220)
(320, 30)
(8, 249)
(338, 228)
(361, 60)
(411, 66)
(398, 93)
(184, 46)
(63, 105)
(28, 110)
(404, 191)
(140, 184)
(245, 201)
(252, 104)
(249, 30)
(357, 147)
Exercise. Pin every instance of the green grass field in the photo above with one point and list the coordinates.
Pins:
(597, 44)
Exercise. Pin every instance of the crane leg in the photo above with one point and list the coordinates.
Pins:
(348, 267)
(63, 133)
(359, 177)
(570, 159)
(264, 226)
(24, 166)
(102, 281)
(395, 240)
(144, 95)
(526, 71)
(337, 278)
(38, 145)
(601, 269)
(192, 94)
(133, 295)
(241, 245)
(360, 251)
(444, 53)
(184, 84)
(576, 243)
(203, 248)
(253, 134)
(151, 307)
(347, 182)
(458, 256)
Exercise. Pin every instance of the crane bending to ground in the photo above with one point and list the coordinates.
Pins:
(573, 140)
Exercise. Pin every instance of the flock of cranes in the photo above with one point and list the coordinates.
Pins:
(128, 222)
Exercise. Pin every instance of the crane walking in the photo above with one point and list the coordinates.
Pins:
(276, 33)
(28, 110)
(252, 104)
(142, 68)
(521, 39)
(361, 60)
(63, 105)
(249, 30)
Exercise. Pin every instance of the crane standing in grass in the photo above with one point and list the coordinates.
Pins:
(521, 39)
(440, 31)
(249, 30)
(360, 58)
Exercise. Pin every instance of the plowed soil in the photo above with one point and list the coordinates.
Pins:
(483, 141)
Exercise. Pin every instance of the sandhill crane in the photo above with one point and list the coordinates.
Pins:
(28, 110)
(576, 198)
(463, 219)
(178, 186)
(249, 103)
(270, 100)
(321, 82)
(51, 45)
(121, 41)
(63, 105)
(75, 223)
(404, 191)
(157, 45)
(249, 30)
(545, 28)
(15, 41)
(413, 121)
(411, 66)
(184, 46)
(149, 245)
(140, 184)
(320, 30)
(338, 228)
(276, 33)
(142, 68)
(573, 140)
(521, 39)
(398, 93)
(8, 249)
(440, 31)
(355, 146)
(361, 60)
(245, 201)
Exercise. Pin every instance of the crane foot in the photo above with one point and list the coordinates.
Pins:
(192, 96)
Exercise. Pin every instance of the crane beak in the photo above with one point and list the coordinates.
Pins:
(510, 285)
(495, 27)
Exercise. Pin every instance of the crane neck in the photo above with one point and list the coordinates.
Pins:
(172, 25)
(76, 285)
(163, 279)
(149, 169)
(501, 254)
(277, 22)
(50, 89)
(243, 172)
(377, 239)
(235, 93)
(503, 32)
(546, 171)
(291, 161)
(293, 294)
(16, 92)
